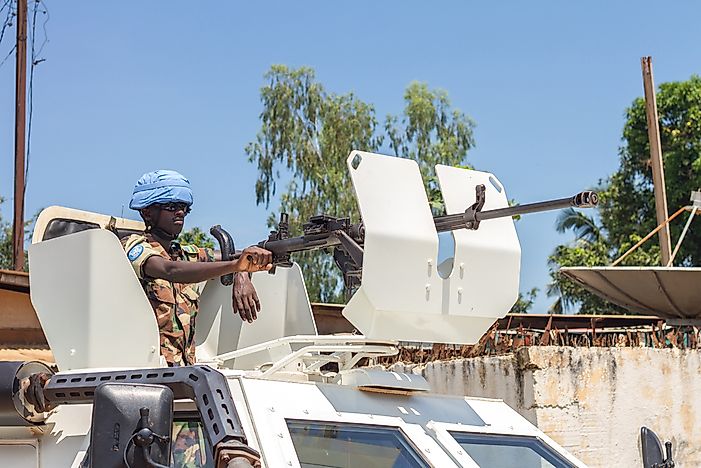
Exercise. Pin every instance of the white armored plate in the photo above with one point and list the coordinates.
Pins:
(400, 291)
(485, 278)
(48, 216)
(88, 300)
(285, 311)
(402, 296)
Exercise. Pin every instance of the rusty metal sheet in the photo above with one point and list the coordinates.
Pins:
(14, 280)
(670, 293)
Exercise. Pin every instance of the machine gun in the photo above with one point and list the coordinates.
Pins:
(346, 238)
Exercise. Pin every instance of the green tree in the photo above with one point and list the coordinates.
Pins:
(525, 302)
(6, 235)
(6, 260)
(626, 210)
(196, 236)
(307, 134)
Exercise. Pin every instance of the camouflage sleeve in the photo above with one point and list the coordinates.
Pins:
(198, 254)
(206, 255)
(138, 251)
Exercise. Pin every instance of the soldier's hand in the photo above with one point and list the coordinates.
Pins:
(34, 391)
(245, 299)
(254, 259)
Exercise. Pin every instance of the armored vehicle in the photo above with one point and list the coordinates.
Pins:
(275, 393)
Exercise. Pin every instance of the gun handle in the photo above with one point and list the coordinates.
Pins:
(227, 249)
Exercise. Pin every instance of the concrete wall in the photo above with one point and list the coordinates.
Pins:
(592, 401)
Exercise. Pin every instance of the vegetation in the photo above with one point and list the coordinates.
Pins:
(306, 135)
(627, 211)
(196, 236)
(6, 235)
(525, 302)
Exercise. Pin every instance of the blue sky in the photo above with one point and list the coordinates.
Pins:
(132, 86)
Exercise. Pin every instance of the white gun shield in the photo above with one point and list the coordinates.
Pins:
(483, 285)
(402, 296)
(88, 300)
(285, 311)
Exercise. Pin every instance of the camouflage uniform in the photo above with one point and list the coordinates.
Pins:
(174, 304)
(188, 440)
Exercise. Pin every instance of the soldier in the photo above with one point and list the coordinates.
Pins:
(169, 272)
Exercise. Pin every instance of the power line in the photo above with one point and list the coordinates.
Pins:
(34, 62)
(8, 18)
(9, 54)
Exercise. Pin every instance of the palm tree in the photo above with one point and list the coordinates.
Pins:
(584, 226)
(588, 234)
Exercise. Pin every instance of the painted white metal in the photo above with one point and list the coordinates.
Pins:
(306, 354)
(60, 212)
(264, 406)
(306, 402)
(381, 379)
(402, 296)
(285, 311)
(91, 306)
(446, 441)
(501, 420)
(63, 441)
(20, 453)
(443, 430)
(484, 281)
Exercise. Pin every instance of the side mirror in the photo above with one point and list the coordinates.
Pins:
(653, 457)
(13, 410)
(131, 426)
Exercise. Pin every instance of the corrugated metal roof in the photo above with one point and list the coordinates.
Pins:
(14, 280)
(670, 293)
(27, 354)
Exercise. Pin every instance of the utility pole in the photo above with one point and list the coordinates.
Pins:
(653, 132)
(20, 122)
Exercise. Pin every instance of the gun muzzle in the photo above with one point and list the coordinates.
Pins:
(586, 199)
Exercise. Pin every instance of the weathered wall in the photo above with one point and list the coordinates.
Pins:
(592, 401)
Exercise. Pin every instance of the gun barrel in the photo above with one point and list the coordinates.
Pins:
(586, 199)
(298, 244)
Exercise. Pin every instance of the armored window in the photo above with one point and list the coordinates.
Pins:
(502, 451)
(190, 447)
(352, 446)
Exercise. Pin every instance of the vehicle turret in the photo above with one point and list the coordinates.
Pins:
(274, 392)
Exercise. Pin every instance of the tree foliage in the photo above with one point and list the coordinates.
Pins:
(306, 135)
(6, 259)
(626, 210)
(196, 236)
(524, 303)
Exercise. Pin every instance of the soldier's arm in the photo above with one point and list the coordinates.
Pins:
(251, 260)
(245, 298)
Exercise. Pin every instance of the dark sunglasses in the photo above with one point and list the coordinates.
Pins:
(173, 207)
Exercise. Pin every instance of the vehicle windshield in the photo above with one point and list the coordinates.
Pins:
(352, 446)
(502, 451)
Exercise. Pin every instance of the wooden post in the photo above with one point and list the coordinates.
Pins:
(20, 122)
(653, 131)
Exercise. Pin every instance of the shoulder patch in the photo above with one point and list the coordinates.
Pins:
(135, 252)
